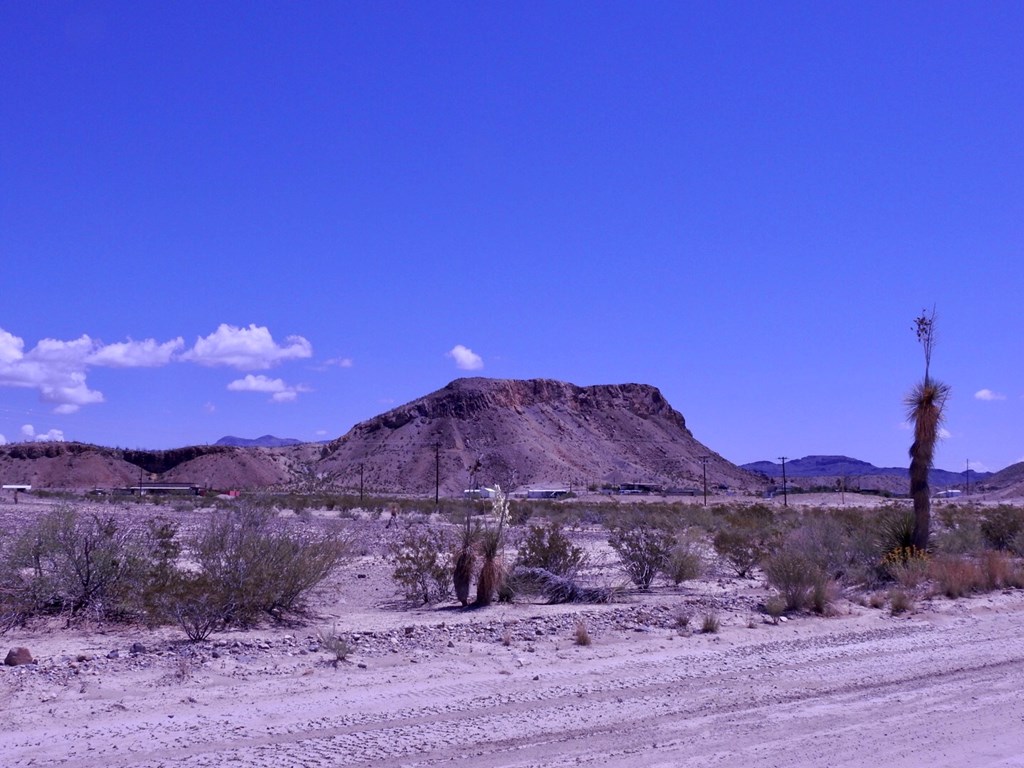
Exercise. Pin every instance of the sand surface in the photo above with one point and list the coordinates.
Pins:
(509, 686)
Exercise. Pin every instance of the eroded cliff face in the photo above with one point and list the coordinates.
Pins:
(537, 431)
(468, 399)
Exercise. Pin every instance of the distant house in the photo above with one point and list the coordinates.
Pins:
(16, 487)
(952, 493)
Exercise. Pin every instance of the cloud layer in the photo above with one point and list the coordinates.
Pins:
(58, 369)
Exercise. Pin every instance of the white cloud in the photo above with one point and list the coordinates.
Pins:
(209, 407)
(52, 436)
(251, 348)
(135, 354)
(944, 433)
(57, 369)
(465, 358)
(340, 362)
(3, 440)
(988, 395)
(279, 391)
(318, 433)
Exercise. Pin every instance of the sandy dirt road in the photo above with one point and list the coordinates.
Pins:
(942, 688)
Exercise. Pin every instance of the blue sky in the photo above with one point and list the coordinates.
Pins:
(250, 218)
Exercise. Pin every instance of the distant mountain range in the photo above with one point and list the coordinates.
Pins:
(267, 441)
(844, 466)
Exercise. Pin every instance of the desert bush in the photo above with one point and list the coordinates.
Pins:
(775, 606)
(1002, 528)
(685, 562)
(423, 566)
(800, 582)
(745, 538)
(253, 566)
(645, 550)
(76, 563)
(546, 546)
(195, 603)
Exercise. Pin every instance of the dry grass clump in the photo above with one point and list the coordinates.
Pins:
(711, 623)
(335, 644)
(900, 601)
(956, 576)
(581, 635)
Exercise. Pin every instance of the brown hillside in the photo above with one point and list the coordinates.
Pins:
(540, 431)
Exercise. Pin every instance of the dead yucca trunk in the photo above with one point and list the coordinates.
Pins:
(463, 574)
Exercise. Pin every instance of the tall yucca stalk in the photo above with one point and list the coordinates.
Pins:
(925, 406)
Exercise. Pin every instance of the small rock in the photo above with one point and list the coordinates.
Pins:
(115, 654)
(451, 644)
(409, 631)
(18, 656)
(361, 665)
(137, 648)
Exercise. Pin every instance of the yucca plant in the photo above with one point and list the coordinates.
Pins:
(925, 406)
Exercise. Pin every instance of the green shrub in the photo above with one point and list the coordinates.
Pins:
(745, 537)
(685, 563)
(423, 565)
(644, 550)
(252, 566)
(546, 546)
(77, 563)
(799, 581)
(1003, 527)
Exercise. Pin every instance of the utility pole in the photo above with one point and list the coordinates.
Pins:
(704, 467)
(967, 477)
(437, 473)
(360, 483)
(785, 493)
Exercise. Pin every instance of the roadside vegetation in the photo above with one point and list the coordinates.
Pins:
(249, 561)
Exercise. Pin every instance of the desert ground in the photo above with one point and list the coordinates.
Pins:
(509, 685)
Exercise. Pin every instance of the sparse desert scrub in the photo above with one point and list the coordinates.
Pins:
(745, 537)
(74, 563)
(547, 546)
(801, 583)
(1003, 528)
(644, 549)
(422, 560)
(257, 567)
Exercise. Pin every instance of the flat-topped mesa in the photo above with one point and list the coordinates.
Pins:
(539, 431)
(467, 398)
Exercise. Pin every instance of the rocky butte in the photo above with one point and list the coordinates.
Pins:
(536, 432)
